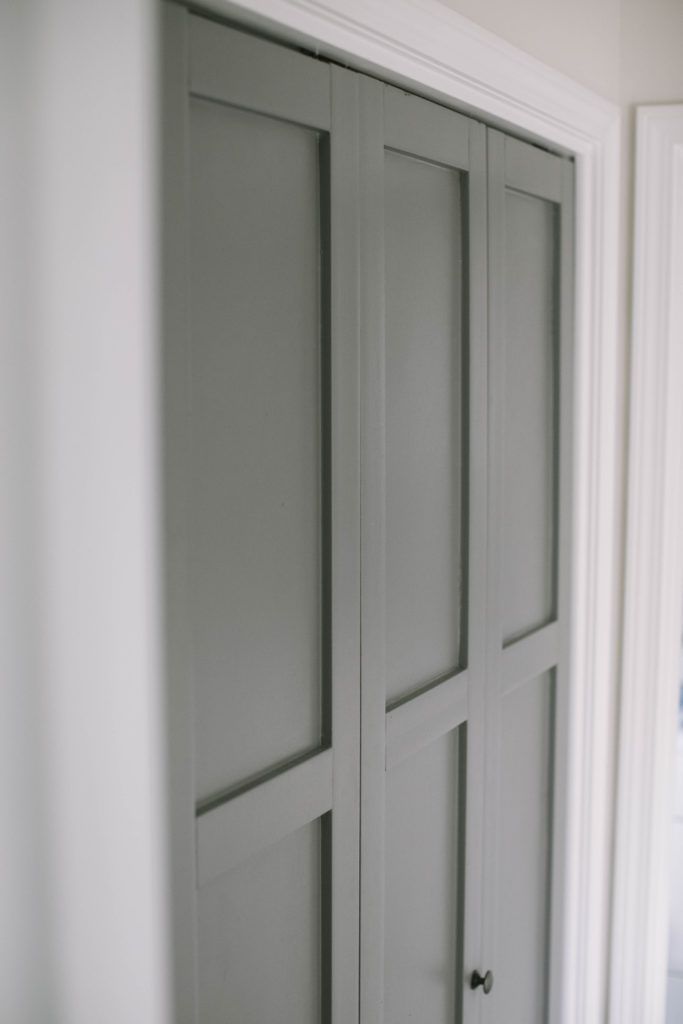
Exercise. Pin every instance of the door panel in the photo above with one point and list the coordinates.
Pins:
(424, 428)
(528, 498)
(524, 839)
(529, 517)
(255, 537)
(259, 936)
(423, 486)
(425, 829)
(262, 478)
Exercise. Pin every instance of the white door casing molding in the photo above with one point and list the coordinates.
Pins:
(434, 51)
(654, 576)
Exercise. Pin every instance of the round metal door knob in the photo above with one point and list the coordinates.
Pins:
(484, 981)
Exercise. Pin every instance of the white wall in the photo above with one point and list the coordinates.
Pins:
(578, 37)
(626, 50)
(651, 51)
(82, 848)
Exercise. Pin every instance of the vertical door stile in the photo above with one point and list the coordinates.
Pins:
(175, 455)
(472, 773)
(345, 553)
(496, 248)
(373, 686)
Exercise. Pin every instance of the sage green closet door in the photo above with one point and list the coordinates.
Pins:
(263, 456)
(367, 489)
(423, 555)
(530, 288)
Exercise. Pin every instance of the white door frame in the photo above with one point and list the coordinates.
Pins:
(654, 577)
(434, 51)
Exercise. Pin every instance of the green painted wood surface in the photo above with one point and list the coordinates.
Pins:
(367, 427)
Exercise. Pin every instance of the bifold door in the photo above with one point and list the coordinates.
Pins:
(263, 477)
(367, 486)
(423, 484)
(530, 289)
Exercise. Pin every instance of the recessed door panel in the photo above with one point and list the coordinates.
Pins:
(424, 422)
(524, 844)
(424, 835)
(529, 434)
(254, 503)
(260, 937)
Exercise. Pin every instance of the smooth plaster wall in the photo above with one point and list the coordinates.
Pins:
(651, 51)
(630, 51)
(577, 37)
(83, 925)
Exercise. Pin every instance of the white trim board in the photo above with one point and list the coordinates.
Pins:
(654, 577)
(442, 55)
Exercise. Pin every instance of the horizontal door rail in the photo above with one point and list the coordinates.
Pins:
(258, 817)
(529, 657)
(239, 69)
(423, 718)
(423, 129)
(533, 171)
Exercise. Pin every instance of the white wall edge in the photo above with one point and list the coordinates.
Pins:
(654, 577)
(435, 51)
(85, 366)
